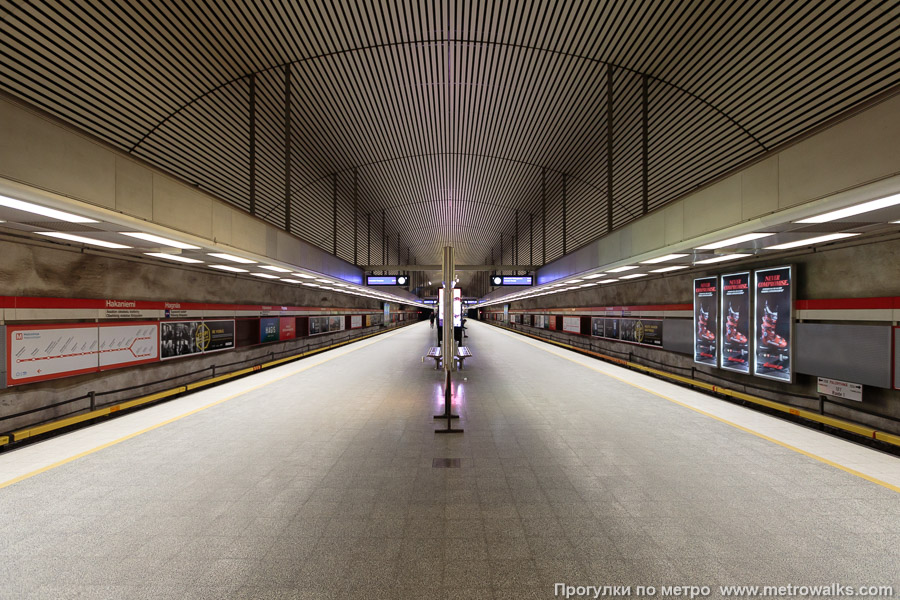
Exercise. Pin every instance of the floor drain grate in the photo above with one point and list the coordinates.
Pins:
(445, 463)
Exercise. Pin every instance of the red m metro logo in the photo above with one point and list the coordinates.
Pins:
(19, 335)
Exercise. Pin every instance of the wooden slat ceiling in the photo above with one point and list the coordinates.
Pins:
(417, 124)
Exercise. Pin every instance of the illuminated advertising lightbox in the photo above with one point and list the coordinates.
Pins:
(287, 328)
(186, 338)
(734, 325)
(457, 308)
(706, 309)
(774, 323)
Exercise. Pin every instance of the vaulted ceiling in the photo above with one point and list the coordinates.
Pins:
(381, 131)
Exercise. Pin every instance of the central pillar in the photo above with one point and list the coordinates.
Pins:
(448, 348)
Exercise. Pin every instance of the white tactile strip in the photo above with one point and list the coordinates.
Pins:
(32, 459)
(866, 462)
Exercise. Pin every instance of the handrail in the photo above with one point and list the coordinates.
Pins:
(96, 410)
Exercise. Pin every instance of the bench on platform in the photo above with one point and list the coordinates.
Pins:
(434, 353)
(462, 353)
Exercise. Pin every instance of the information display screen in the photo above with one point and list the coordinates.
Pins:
(706, 309)
(773, 327)
(381, 280)
(734, 325)
(517, 280)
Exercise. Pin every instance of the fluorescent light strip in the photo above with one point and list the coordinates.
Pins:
(633, 276)
(722, 258)
(621, 269)
(37, 209)
(667, 269)
(305, 276)
(264, 275)
(276, 269)
(323, 280)
(229, 268)
(660, 259)
(593, 276)
(291, 281)
(607, 281)
(811, 241)
(81, 240)
(575, 281)
(175, 257)
(311, 284)
(149, 237)
(854, 210)
(734, 241)
(233, 258)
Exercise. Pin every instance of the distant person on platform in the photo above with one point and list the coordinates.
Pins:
(431, 319)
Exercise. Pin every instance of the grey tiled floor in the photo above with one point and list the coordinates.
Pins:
(321, 486)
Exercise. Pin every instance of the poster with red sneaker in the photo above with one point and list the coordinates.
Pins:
(706, 309)
(734, 331)
(773, 325)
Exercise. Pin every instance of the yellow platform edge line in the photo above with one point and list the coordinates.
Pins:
(53, 425)
(32, 431)
(875, 480)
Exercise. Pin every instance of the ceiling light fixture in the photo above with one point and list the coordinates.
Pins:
(575, 281)
(621, 269)
(81, 240)
(175, 257)
(854, 210)
(660, 259)
(633, 276)
(149, 237)
(593, 276)
(722, 258)
(37, 209)
(276, 269)
(305, 276)
(232, 258)
(264, 275)
(228, 268)
(292, 281)
(667, 269)
(811, 241)
(607, 281)
(734, 241)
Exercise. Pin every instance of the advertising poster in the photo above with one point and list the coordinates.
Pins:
(572, 324)
(355, 321)
(186, 338)
(128, 345)
(335, 323)
(318, 325)
(641, 331)
(216, 336)
(178, 338)
(773, 325)
(287, 328)
(368, 320)
(38, 353)
(706, 309)
(734, 330)
(597, 326)
(269, 329)
(611, 329)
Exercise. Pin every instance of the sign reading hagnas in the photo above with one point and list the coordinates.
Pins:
(734, 333)
(773, 326)
(706, 308)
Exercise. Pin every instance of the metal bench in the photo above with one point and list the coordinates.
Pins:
(434, 353)
(462, 353)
